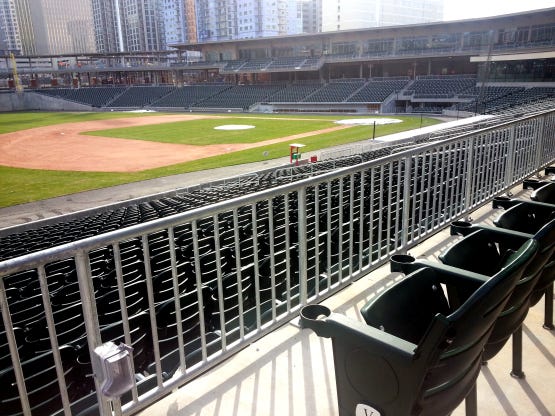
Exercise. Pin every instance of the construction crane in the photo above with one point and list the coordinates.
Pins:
(18, 86)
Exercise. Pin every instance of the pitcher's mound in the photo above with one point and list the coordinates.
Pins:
(234, 127)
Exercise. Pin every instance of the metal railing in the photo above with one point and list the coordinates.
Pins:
(189, 290)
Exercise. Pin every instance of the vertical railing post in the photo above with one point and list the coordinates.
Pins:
(351, 221)
(468, 192)
(254, 220)
(549, 137)
(302, 231)
(199, 286)
(362, 197)
(10, 335)
(272, 257)
(509, 169)
(53, 338)
(406, 205)
(151, 309)
(90, 316)
(176, 295)
(539, 142)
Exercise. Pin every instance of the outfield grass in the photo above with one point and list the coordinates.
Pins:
(27, 185)
(202, 133)
(15, 121)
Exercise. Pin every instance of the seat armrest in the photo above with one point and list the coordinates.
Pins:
(333, 325)
(373, 367)
(502, 202)
(446, 274)
(501, 235)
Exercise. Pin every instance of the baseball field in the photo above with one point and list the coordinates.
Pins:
(43, 155)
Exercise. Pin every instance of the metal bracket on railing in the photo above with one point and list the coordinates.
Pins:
(113, 367)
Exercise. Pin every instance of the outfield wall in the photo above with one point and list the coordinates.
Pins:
(350, 108)
(31, 101)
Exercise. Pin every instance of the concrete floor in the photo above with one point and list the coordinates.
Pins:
(291, 371)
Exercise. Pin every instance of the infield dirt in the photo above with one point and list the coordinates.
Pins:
(64, 147)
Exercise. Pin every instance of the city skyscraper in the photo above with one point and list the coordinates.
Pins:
(179, 21)
(10, 39)
(360, 14)
(243, 19)
(311, 15)
(46, 27)
(128, 25)
(43, 27)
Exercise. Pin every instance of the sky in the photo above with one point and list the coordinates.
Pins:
(468, 9)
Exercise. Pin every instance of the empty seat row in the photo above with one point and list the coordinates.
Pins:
(454, 315)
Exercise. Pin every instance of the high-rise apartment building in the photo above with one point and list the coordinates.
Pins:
(191, 21)
(173, 16)
(242, 19)
(108, 30)
(311, 15)
(179, 20)
(10, 38)
(263, 18)
(47, 27)
(216, 20)
(359, 14)
(128, 25)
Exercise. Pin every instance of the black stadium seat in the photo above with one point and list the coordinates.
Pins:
(42, 387)
(419, 352)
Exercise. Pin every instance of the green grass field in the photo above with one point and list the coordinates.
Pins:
(27, 185)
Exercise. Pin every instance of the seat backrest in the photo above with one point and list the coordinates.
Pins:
(41, 383)
(449, 340)
(542, 230)
(545, 193)
(5, 356)
(451, 376)
(166, 317)
(476, 253)
(517, 306)
(526, 218)
(141, 341)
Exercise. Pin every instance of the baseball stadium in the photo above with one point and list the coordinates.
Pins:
(349, 223)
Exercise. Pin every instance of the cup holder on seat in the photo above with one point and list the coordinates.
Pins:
(314, 312)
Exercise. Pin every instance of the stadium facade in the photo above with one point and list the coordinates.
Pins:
(190, 277)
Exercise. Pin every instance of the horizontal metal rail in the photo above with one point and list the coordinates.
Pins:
(188, 290)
